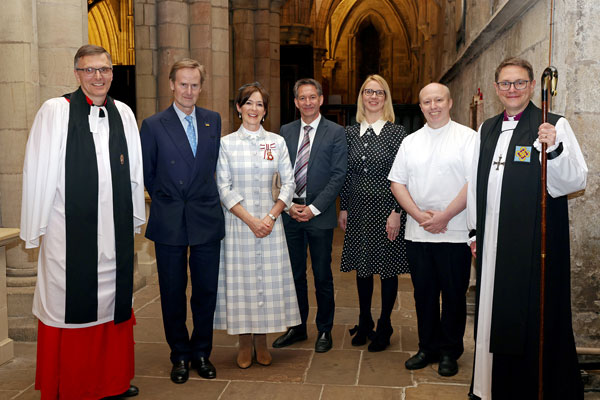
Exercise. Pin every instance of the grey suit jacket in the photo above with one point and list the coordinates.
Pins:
(327, 167)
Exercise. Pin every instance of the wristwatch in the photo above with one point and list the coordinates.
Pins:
(274, 218)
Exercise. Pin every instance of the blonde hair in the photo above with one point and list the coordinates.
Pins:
(388, 108)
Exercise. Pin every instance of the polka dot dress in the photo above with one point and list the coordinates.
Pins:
(367, 197)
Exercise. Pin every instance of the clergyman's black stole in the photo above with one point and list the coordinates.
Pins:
(81, 214)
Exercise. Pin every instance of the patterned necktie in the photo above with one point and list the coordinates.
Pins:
(302, 162)
(191, 135)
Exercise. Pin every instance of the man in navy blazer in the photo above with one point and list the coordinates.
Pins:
(312, 216)
(180, 147)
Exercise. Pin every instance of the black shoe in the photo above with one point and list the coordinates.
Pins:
(362, 331)
(448, 366)
(205, 368)
(180, 372)
(381, 340)
(293, 335)
(324, 342)
(419, 361)
(131, 392)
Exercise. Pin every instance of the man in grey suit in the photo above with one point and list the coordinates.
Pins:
(319, 153)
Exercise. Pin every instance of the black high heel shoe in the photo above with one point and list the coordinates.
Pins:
(381, 339)
(362, 332)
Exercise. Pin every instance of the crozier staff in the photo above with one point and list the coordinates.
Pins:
(504, 205)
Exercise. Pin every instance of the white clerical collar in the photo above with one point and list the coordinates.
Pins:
(376, 126)
(314, 125)
(440, 129)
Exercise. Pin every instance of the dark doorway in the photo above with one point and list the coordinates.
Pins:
(368, 52)
(296, 63)
(123, 85)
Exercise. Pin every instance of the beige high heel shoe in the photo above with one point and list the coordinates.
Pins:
(244, 358)
(263, 357)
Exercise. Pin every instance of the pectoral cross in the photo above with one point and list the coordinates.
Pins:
(498, 163)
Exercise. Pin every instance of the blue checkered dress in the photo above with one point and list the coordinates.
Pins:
(256, 287)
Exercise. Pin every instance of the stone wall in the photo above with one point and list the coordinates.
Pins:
(38, 40)
(521, 28)
(169, 30)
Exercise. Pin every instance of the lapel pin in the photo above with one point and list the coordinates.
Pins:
(206, 124)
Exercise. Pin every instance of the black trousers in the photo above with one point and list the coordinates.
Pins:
(440, 268)
(299, 237)
(172, 265)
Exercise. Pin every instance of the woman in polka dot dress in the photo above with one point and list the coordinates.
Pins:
(370, 216)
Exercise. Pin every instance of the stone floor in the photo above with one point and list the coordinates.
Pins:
(297, 372)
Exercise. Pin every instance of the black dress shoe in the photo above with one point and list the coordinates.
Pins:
(448, 366)
(419, 361)
(131, 392)
(293, 335)
(205, 368)
(324, 342)
(180, 372)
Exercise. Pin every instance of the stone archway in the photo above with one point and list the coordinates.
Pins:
(345, 46)
(111, 25)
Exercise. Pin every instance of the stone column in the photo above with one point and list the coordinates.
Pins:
(275, 71)
(319, 58)
(6, 344)
(243, 47)
(173, 43)
(146, 55)
(201, 45)
(220, 62)
(209, 44)
(38, 41)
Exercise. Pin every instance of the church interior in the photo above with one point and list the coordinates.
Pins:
(338, 42)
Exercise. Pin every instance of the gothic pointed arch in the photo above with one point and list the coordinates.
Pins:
(346, 48)
(111, 25)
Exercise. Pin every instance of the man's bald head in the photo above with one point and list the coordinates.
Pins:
(434, 86)
(435, 103)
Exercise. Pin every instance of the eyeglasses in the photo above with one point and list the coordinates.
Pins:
(371, 92)
(89, 71)
(519, 85)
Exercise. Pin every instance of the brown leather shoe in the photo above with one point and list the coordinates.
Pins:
(263, 357)
(244, 358)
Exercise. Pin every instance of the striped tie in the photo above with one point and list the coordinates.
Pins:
(302, 162)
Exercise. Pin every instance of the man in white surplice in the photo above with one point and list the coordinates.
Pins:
(504, 206)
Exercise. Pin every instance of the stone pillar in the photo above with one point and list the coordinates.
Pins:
(173, 43)
(220, 62)
(275, 71)
(201, 45)
(209, 44)
(319, 58)
(243, 43)
(146, 55)
(61, 30)
(6, 344)
(38, 40)
(255, 51)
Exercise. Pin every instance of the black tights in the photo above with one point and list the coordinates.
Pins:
(389, 291)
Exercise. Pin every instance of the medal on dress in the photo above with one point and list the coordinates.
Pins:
(267, 154)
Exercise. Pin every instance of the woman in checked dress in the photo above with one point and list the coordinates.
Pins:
(256, 292)
(373, 220)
